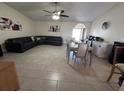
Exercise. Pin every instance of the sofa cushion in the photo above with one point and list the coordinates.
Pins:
(27, 39)
(38, 38)
(22, 39)
(28, 45)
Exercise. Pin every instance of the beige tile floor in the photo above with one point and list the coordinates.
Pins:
(45, 68)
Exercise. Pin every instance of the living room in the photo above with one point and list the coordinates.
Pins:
(36, 44)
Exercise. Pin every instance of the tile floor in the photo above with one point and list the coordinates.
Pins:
(45, 68)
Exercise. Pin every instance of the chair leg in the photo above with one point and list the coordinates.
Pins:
(75, 60)
(91, 58)
(111, 74)
(82, 60)
(73, 55)
(85, 61)
(68, 56)
(66, 53)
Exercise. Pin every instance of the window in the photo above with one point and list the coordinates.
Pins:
(79, 32)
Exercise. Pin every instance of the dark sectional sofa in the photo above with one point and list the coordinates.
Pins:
(22, 44)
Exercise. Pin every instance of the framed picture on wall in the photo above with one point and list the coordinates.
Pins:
(8, 24)
(54, 28)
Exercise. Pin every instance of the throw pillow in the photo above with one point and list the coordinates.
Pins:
(38, 38)
(32, 38)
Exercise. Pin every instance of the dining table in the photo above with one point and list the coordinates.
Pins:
(73, 46)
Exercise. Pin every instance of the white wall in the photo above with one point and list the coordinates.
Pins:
(116, 30)
(27, 24)
(41, 28)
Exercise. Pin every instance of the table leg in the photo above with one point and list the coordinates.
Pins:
(68, 55)
(91, 56)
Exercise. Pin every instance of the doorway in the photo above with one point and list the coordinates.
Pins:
(79, 32)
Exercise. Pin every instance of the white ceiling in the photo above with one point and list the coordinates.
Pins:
(78, 11)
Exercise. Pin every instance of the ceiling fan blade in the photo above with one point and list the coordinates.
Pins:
(47, 15)
(47, 11)
(64, 15)
(62, 11)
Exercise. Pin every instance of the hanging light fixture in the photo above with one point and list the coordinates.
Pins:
(56, 15)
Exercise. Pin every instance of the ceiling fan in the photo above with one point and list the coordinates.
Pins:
(56, 14)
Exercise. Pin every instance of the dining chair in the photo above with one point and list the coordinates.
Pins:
(81, 53)
(115, 64)
(69, 49)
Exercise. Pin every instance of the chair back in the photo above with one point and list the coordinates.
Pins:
(118, 51)
(82, 50)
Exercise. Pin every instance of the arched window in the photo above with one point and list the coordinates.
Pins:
(79, 32)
